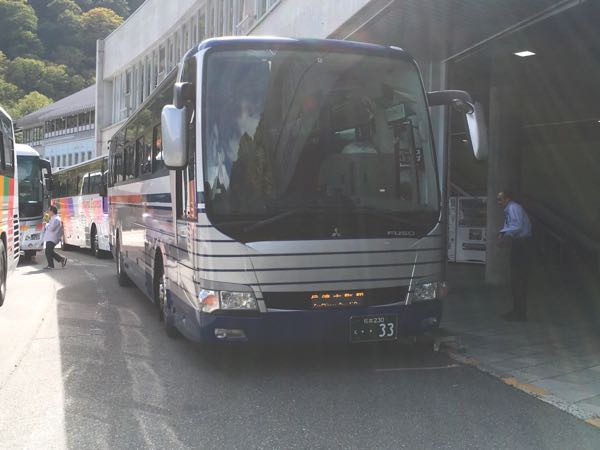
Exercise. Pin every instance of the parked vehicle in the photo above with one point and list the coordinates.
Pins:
(80, 196)
(286, 195)
(9, 194)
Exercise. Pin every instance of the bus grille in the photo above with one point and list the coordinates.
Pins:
(302, 300)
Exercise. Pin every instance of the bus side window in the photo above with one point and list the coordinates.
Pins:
(140, 157)
(157, 159)
(2, 145)
(129, 161)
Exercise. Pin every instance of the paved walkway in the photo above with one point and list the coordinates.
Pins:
(554, 356)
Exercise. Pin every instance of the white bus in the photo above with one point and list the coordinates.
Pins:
(290, 193)
(80, 196)
(34, 177)
(9, 192)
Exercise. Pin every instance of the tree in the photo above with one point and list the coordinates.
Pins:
(9, 93)
(59, 22)
(30, 103)
(18, 28)
(120, 7)
(52, 80)
(96, 24)
(25, 72)
(3, 63)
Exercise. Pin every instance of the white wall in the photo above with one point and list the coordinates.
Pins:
(146, 26)
(308, 18)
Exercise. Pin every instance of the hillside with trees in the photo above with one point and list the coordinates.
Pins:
(48, 48)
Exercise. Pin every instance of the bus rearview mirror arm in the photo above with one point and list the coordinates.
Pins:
(462, 102)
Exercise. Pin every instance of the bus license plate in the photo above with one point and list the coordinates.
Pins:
(374, 328)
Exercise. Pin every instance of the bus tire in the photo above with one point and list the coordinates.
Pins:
(160, 299)
(94, 243)
(3, 272)
(121, 275)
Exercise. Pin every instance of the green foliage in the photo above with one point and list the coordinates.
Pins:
(30, 103)
(96, 24)
(18, 28)
(48, 47)
(9, 93)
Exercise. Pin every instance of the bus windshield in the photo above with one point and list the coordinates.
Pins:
(30, 186)
(310, 145)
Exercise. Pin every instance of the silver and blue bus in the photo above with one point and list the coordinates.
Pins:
(285, 190)
(34, 177)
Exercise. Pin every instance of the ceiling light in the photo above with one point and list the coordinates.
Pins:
(524, 53)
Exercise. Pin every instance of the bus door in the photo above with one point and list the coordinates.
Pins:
(47, 183)
(186, 204)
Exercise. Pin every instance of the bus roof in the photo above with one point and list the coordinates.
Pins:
(25, 150)
(82, 164)
(329, 45)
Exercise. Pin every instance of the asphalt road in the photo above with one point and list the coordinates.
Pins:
(85, 363)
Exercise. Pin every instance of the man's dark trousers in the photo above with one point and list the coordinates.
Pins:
(520, 260)
(51, 254)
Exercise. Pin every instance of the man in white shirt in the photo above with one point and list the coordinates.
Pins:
(517, 232)
(52, 236)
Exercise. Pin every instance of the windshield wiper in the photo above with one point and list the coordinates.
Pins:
(408, 217)
(282, 216)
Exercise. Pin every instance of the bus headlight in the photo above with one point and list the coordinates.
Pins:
(238, 301)
(211, 301)
(425, 291)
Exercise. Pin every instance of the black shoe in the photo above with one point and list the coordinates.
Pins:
(48, 268)
(64, 262)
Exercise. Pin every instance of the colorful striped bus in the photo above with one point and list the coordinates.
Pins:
(9, 209)
(80, 196)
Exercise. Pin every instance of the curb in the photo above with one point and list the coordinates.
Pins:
(451, 346)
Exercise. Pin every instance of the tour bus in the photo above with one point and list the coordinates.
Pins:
(9, 192)
(80, 196)
(35, 182)
(289, 193)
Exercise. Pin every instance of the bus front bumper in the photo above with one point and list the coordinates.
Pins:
(332, 326)
(31, 241)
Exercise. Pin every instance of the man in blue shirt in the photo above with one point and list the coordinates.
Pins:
(516, 231)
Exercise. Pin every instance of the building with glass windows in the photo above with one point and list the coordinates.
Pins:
(137, 56)
(531, 64)
(63, 132)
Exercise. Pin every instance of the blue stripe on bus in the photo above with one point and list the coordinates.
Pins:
(314, 254)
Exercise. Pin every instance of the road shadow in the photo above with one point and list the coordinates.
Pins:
(127, 385)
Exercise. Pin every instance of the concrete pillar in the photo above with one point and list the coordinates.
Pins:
(100, 105)
(503, 164)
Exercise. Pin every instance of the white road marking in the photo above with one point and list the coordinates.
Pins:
(412, 369)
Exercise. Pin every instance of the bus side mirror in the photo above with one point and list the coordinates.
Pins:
(462, 102)
(49, 184)
(103, 190)
(174, 134)
(183, 93)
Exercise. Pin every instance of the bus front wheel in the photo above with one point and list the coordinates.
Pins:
(161, 299)
(94, 243)
(121, 275)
